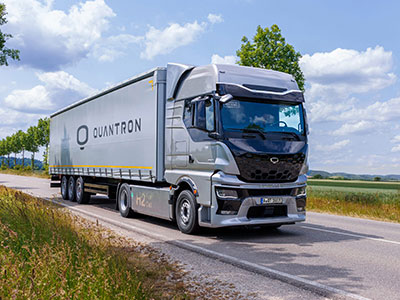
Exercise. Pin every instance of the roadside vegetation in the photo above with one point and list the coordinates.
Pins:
(25, 172)
(373, 200)
(48, 253)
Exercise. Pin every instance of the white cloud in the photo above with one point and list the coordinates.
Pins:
(229, 59)
(49, 38)
(333, 147)
(396, 139)
(396, 148)
(168, 39)
(347, 71)
(59, 89)
(358, 127)
(115, 46)
(379, 111)
(213, 19)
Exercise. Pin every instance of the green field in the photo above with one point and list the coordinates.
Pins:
(354, 185)
(376, 200)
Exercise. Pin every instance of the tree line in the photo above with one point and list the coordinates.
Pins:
(31, 140)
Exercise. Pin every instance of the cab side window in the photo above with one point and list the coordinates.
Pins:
(188, 113)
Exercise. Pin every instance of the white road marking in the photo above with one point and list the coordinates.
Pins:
(352, 235)
(285, 277)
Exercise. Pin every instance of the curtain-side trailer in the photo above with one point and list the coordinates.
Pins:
(211, 146)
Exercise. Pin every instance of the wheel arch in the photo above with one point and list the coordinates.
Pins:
(184, 183)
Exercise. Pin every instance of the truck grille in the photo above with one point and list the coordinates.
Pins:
(259, 168)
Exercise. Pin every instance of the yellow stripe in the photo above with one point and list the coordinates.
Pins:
(95, 166)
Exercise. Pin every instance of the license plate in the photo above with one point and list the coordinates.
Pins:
(270, 200)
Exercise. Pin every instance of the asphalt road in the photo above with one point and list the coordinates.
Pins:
(352, 257)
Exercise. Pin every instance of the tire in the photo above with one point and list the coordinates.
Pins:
(124, 201)
(186, 213)
(81, 196)
(64, 187)
(71, 189)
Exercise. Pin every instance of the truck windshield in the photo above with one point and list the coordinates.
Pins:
(248, 115)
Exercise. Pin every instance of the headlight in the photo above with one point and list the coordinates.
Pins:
(227, 194)
(300, 191)
(304, 169)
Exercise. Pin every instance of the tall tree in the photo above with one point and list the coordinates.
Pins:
(43, 136)
(2, 150)
(8, 149)
(32, 143)
(15, 147)
(23, 140)
(269, 50)
(4, 51)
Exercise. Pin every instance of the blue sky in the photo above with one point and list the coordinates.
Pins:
(351, 56)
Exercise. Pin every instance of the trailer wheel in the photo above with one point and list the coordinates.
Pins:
(64, 187)
(82, 197)
(124, 201)
(186, 213)
(71, 189)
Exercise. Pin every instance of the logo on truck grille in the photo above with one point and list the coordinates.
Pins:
(274, 160)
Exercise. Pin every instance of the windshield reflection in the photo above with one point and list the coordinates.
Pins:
(250, 116)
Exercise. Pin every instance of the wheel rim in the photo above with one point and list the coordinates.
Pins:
(71, 188)
(64, 186)
(185, 212)
(78, 189)
(124, 201)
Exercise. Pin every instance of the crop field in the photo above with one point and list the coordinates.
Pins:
(376, 200)
(355, 185)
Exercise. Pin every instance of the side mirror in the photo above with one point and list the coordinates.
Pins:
(226, 98)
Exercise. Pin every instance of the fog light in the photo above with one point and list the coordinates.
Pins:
(228, 207)
(301, 204)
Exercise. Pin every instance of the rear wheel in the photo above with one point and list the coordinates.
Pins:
(124, 201)
(82, 197)
(64, 187)
(186, 213)
(71, 189)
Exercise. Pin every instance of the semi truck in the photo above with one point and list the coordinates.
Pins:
(204, 146)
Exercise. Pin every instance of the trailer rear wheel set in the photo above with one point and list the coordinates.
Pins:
(73, 189)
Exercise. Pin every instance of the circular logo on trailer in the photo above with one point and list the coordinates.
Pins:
(274, 160)
(82, 135)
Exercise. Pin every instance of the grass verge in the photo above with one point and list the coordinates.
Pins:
(46, 252)
(384, 206)
(36, 173)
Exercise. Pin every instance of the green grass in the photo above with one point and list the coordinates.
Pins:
(48, 253)
(383, 204)
(354, 184)
(35, 173)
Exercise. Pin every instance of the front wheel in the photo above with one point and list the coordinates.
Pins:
(186, 213)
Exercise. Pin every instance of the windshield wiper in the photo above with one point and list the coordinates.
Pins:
(250, 130)
(255, 130)
(291, 133)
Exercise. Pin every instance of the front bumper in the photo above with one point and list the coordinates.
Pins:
(285, 205)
